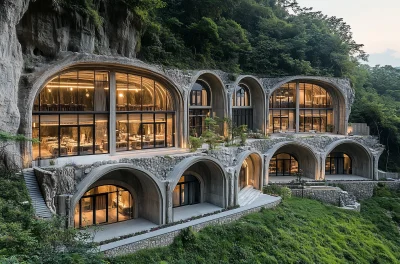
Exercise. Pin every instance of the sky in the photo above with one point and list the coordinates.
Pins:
(376, 24)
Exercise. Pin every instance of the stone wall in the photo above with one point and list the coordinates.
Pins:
(329, 195)
(166, 239)
(363, 189)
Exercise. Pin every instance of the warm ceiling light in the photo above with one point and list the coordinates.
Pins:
(49, 90)
(121, 95)
(70, 88)
(87, 95)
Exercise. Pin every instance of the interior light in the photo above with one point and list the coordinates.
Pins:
(49, 90)
(70, 88)
(87, 95)
(121, 95)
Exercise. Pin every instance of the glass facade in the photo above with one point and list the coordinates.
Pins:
(315, 109)
(199, 108)
(71, 114)
(186, 192)
(104, 205)
(338, 163)
(145, 116)
(242, 112)
(283, 164)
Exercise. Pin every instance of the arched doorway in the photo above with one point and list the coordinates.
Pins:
(104, 204)
(198, 186)
(348, 158)
(287, 159)
(283, 164)
(338, 163)
(187, 191)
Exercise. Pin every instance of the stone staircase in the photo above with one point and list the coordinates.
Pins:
(248, 195)
(38, 204)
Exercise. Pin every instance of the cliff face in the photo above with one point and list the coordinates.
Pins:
(32, 35)
(47, 29)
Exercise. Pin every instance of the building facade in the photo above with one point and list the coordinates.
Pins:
(114, 135)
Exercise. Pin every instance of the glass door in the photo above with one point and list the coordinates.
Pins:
(242, 178)
(86, 211)
(101, 208)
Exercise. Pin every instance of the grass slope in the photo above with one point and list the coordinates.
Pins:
(298, 231)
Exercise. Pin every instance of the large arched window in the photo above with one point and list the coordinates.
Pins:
(102, 205)
(200, 107)
(145, 115)
(314, 105)
(242, 112)
(338, 163)
(71, 114)
(283, 164)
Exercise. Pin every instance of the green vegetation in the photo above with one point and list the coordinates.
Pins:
(25, 239)
(298, 231)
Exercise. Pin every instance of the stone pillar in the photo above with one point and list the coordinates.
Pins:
(64, 209)
(184, 141)
(113, 117)
(375, 172)
(297, 106)
(266, 171)
(168, 195)
(266, 127)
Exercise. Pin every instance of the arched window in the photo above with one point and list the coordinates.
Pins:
(338, 163)
(283, 164)
(200, 107)
(104, 204)
(71, 114)
(145, 116)
(242, 112)
(314, 104)
(187, 191)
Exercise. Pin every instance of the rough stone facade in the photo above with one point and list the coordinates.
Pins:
(363, 190)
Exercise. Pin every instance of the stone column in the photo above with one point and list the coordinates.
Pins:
(266, 127)
(113, 117)
(184, 141)
(297, 106)
(168, 195)
(64, 209)
(266, 171)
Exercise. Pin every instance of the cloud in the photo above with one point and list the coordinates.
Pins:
(389, 57)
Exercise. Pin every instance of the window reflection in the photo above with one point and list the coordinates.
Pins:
(186, 192)
(315, 109)
(283, 164)
(338, 163)
(104, 204)
(242, 113)
(200, 109)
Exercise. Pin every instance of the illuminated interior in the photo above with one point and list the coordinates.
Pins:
(283, 164)
(71, 115)
(315, 109)
(199, 108)
(338, 163)
(187, 191)
(103, 205)
(242, 112)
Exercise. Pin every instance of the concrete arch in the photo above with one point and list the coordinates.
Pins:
(31, 89)
(257, 100)
(257, 160)
(150, 191)
(304, 153)
(219, 97)
(341, 104)
(212, 175)
(362, 158)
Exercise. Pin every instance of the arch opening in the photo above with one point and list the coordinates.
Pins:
(71, 113)
(107, 198)
(248, 105)
(306, 106)
(250, 172)
(207, 99)
(348, 159)
(290, 160)
(198, 188)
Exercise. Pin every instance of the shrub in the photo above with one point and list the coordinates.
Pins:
(381, 190)
(195, 143)
(273, 189)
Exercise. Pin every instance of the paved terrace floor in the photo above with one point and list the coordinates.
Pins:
(137, 225)
(186, 212)
(120, 155)
(286, 179)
